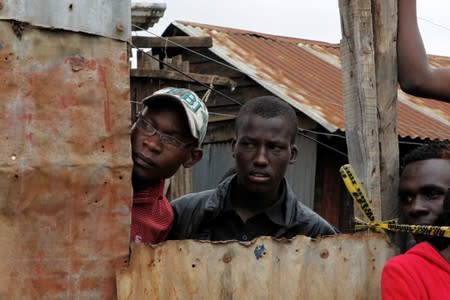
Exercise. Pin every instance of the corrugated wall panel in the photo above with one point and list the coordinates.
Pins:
(302, 174)
(108, 18)
(217, 159)
(65, 192)
(341, 267)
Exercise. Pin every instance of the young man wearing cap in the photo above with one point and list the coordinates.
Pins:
(167, 134)
(255, 200)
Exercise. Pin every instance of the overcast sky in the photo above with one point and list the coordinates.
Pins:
(309, 19)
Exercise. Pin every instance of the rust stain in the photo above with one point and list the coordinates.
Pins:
(73, 229)
(303, 273)
(76, 62)
(106, 108)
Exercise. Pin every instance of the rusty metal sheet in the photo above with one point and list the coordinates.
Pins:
(109, 18)
(65, 164)
(307, 75)
(340, 267)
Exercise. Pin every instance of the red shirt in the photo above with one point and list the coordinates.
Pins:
(151, 215)
(420, 273)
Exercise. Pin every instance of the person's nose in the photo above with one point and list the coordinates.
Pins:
(153, 142)
(261, 156)
(418, 207)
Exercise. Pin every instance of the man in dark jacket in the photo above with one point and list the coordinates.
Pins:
(256, 200)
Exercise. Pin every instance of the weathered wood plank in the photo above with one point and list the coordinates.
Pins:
(385, 21)
(358, 67)
(368, 58)
(172, 42)
(173, 75)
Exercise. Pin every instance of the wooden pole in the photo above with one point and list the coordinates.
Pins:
(369, 67)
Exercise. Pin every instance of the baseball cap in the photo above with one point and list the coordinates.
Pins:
(196, 111)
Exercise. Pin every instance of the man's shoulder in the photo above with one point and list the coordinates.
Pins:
(310, 222)
(189, 212)
(192, 199)
(194, 204)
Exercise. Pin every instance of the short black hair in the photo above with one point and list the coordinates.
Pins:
(268, 107)
(431, 150)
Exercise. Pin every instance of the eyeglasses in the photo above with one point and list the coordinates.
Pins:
(149, 130)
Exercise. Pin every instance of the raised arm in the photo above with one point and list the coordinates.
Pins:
(415, 75)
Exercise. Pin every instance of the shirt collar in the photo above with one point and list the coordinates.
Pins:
(275, 213)
(152, 193)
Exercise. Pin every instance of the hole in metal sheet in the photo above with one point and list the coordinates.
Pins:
(13, 157)
(71, 6)
(324, 253)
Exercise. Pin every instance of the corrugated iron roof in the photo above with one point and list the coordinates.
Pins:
(307, 75)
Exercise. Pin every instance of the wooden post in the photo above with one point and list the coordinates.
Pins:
(369, 66)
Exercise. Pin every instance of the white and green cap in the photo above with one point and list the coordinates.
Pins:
(196, 111)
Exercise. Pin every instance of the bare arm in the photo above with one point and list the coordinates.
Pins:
(415, 75)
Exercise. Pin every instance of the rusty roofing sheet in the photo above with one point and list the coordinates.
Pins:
(307, 75)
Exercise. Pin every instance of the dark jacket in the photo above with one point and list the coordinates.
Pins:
(194, 209)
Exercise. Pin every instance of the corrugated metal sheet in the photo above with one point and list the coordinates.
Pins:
(65, 167)
(340, 267)
(109, 18)
(302, 174)
(307, 75)
(216, 160)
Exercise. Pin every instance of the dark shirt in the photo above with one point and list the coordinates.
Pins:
(208, 215)
(228, 225)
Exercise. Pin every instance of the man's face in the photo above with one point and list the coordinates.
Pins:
(422, 190)
(262, 152)
(153, 159)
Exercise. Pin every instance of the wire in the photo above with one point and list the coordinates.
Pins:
(322, 144)
(190, 50)
(187, 75)
(220, 114)
(300, 130)
(435, 24)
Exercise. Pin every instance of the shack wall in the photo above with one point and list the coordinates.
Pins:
(65, 191)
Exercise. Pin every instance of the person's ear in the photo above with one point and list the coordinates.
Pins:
(233, 147)
(194, 156)
(294, 152)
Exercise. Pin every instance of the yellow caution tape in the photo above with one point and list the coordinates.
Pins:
(356, 189)
(441, 231)
(359, 195)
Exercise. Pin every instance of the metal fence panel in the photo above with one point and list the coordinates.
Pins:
(340, 267)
